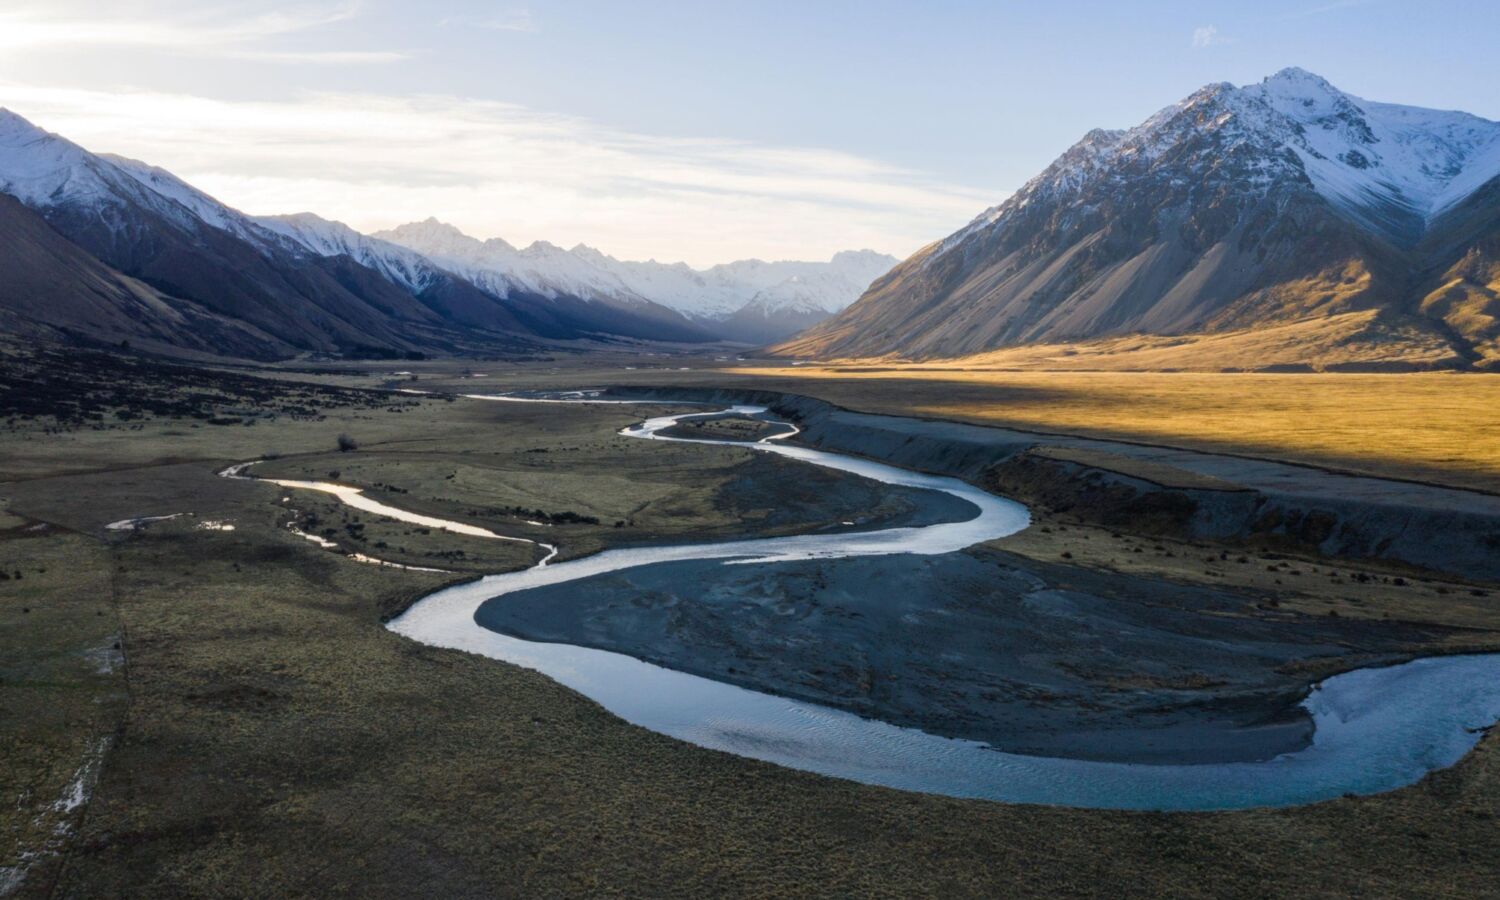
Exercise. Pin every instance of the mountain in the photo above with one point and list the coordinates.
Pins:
(561, 289)
(268, 287)
(1238, 208)
(749, 300)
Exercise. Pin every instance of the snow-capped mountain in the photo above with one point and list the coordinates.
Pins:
(721, 291)
(1235, 206)
(149, 225)
(795, 294)
(326, 238)
(300, 282)
(48, 172)
(541, 268)
(270, 286)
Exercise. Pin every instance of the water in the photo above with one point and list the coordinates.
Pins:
(1375, 729)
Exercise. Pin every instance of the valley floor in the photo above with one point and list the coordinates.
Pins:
(257, 731)
(1442, 428)
(1437, 427)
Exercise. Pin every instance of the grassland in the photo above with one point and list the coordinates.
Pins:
(1438, 427)
(62, 689)
(1351, 341)
(266, 736)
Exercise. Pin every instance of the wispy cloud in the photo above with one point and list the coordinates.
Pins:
(196, 33)
(517, 19)
(1208, 36)
(319, 57)
(1334, 6)
(509, 20)
(498, 169)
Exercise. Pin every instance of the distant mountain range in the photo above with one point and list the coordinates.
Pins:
(1344, 224)
(108, 249)
(749, 300)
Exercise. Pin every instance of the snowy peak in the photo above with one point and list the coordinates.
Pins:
(327, 238)
(42, 169)
(1357, 151)
(1300, 88)
(431, 235)
(1391, 168)
(49, 172)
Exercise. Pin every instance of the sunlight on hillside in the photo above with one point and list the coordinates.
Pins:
(1432, 427)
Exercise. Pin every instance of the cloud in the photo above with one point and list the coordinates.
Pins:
(507, 20)
(318, 57)
(212, 32)
(1207, 36)
(1335, 6)
(498, 169)
(511, 20)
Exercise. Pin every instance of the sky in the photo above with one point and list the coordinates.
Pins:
(699, 131)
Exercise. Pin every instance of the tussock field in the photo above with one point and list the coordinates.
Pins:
(1438, 427)
(259, 732)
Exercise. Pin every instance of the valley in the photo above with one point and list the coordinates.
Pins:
(263, 629)
(860, 498)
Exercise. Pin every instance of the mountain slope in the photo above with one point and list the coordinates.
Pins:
(1236, 208)
(151, 226)
(50, 287)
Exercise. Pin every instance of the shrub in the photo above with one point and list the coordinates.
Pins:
(347, 443)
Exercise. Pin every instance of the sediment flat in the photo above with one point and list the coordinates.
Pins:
(1047, 660)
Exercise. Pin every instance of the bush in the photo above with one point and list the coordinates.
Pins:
(347, 443)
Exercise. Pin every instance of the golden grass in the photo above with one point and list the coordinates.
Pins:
(1361, 341)
(1437, 427)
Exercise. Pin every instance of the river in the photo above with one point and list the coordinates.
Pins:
(1376, 729)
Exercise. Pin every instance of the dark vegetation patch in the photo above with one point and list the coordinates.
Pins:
(89, 389)
(1066, 486)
